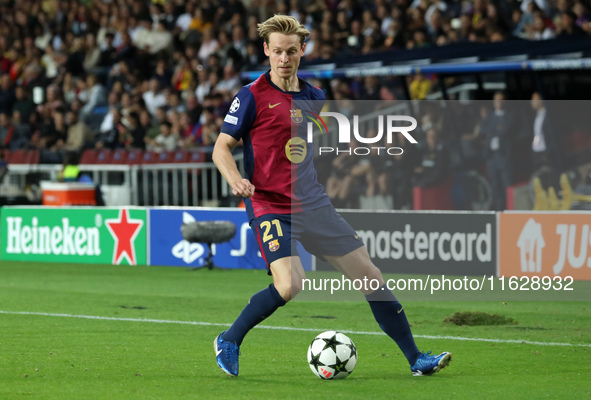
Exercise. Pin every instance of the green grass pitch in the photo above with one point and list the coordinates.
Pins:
(64, 357)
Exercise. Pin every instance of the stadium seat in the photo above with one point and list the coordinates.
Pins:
(88, 157)
(433, 198)
(120, 156)
(33, 156)
(11, 157)
(104, 156)
(179, 156)
(152, 157)
(197, 156)
(22, 157)
(135, 157)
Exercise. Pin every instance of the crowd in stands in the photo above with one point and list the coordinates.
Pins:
(160, 75)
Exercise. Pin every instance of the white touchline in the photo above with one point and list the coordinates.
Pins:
(285, 328)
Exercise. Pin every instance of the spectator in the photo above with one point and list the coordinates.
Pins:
(162, 74)
(75, 57)
(420, 87)
(23, 103)
(53, 102)
(60, 132)
(49, 62)
(184, 20)
(209, 45)
(194, 109)
(471, 143)
(165, 141)
(79, 134)
(182, 78)
(231, 81)
(96, 97)
(6, 130)
(134, 134)
(3, 164)
(199, 22)
(224, 46)
(497, 132)
(253, 56)
(92, 55)
(153, 129)
(400, 180)
(108, 55)
(126, 49)
(7, 94)
(174, 103)
(434, 160)
(154, 97)
(69, 88)
(355, 40)
(153, 40)
(350, 177)
(495, 22)
(121, 73)
(111, 137)
(22, 131)
(582, 13)
(568, 26)
(239, 43)
(545, 146)
(371, 88)
(543, 5)
(540, 31)
(204, 86)
(188, 132)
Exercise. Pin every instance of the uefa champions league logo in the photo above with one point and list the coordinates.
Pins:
(235, 105)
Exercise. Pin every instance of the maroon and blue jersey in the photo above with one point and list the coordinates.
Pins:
(277, 159)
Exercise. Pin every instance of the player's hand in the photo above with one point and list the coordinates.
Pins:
(243, 188)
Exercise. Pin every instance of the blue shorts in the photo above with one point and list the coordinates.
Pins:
(322, 232)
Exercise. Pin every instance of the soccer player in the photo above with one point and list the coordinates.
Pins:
(285, 202)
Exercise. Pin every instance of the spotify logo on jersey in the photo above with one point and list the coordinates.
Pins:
(296, 149)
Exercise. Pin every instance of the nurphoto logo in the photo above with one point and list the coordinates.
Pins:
(387, 125)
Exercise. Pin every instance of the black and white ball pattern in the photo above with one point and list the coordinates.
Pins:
(332, 355)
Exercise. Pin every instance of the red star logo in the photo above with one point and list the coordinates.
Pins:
(124, 230)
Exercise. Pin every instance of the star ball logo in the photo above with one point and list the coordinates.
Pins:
(235, 105)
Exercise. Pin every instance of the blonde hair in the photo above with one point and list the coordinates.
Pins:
(282, 24)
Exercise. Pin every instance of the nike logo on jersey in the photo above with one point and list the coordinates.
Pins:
(273, 105)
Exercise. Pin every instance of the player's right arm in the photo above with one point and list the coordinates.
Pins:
(224, 161)
(236, 126)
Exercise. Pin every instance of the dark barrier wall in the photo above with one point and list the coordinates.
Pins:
(427, 243)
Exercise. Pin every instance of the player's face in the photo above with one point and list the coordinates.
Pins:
(284, 52)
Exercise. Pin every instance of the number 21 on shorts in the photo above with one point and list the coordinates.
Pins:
(266, 227)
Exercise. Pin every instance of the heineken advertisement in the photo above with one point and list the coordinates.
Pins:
(78, 235)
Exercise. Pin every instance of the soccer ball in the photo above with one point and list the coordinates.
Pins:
(332, 355)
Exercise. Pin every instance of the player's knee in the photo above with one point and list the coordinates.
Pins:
(287, 288)
(373, 273)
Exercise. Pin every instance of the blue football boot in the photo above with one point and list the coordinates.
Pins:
(226, 354)
(428, 365)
